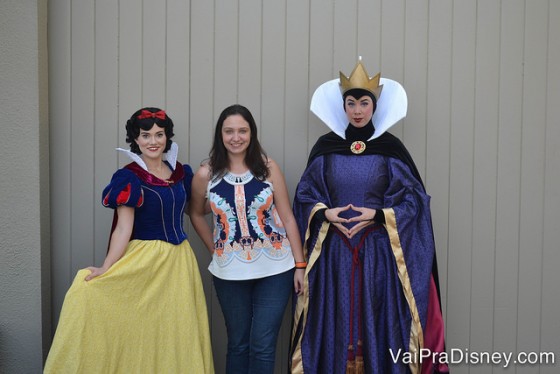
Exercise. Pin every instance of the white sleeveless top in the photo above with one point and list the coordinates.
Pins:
(250, 241)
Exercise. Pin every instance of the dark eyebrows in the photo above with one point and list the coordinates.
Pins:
(362, 99)
(142, 131)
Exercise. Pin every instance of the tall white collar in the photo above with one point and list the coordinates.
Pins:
(328, 105)
(170, 155)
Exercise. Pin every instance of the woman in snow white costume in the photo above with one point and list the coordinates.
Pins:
(143, 310)
(370, 295)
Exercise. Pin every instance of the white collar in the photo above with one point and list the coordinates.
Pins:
(170, 155)
(328, 105)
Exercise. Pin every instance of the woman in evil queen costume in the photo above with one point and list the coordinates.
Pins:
(371, 294)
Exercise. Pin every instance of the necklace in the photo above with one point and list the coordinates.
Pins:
(234, 179)
(159, 172)
(158, 169)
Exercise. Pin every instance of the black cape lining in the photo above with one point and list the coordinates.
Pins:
(386, 145)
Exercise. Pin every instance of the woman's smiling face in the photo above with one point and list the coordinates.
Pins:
(152, 142)
(236, 134)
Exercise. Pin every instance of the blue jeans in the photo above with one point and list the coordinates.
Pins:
(253, 310)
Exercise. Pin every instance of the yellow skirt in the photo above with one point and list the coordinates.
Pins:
(146, 314)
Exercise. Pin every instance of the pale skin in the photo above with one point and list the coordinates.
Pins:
(236, 135)
(152, 144)
(359, 112)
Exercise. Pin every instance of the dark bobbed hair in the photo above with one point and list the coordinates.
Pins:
(134, 124)
(357, 93)
(255, 158)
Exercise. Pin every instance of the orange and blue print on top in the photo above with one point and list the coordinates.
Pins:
(246, 223)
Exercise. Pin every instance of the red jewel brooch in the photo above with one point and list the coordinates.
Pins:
(358, 147)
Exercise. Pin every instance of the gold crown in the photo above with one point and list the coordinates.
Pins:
(360, 79)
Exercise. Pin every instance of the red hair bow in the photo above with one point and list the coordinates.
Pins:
(147, 114)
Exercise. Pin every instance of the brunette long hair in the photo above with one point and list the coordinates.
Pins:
(255, 158)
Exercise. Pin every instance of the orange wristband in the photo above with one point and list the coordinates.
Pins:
(301, 265)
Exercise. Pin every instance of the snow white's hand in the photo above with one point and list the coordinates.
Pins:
(95, 272)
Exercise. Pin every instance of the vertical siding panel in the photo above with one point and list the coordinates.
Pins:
(532, 173)
(60, 158)
(346, 50)
(177, 75)
(130, 67)
(202, 111)
(154, 52)
(550, 336)
(392, 38)
(509, 161)
(295, 129)
(106, 117)
(438, 131)
(297, 94)
(461, 173)
(226, 54)
(321, 69)
(370, 23)
(81, 169)
(392, 45)
(484, 183)
(273, 79)
(415, 81)
(250, 59)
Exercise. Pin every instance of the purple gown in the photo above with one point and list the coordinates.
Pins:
(363, 288)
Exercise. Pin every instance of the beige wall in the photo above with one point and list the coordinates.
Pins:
(25, 307)
(482, 79)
